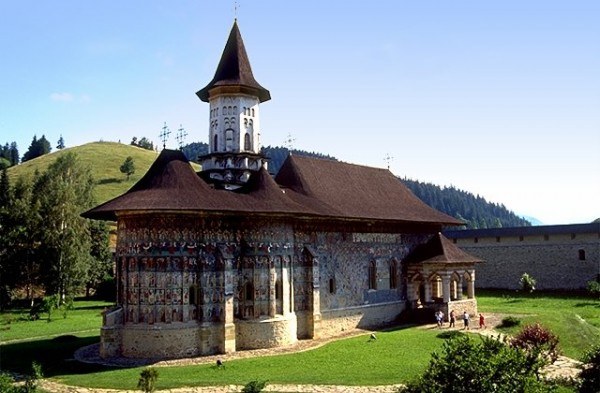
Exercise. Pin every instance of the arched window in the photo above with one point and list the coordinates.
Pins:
(193, 294)
(332, 285)
(372, 275)
(224, 110)
(581, 253)
(252, 112)
(393, 274)
(215, 143)
(234, 111)
(247, 142)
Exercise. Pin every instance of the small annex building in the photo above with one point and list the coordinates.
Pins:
(232, 258)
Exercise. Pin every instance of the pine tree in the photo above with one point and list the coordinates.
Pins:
(61, 143)
(38, 148)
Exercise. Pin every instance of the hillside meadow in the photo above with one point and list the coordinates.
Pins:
(104, 160)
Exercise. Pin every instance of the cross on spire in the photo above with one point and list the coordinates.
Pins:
(181, 134)
(288, 143)
(235, 9)
(388, 158)
(164, 135)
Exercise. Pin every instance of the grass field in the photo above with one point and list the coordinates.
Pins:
(575, 319)
(396, 356)
(104, 160)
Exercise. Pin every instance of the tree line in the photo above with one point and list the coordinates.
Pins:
(46, 247)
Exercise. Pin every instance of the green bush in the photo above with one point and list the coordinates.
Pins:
(593, 287)
(527, 283)
(590, 372)
(147, 381)
(510, 322)
(254, 387)
(468, 366)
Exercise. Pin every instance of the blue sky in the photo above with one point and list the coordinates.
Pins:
(499, 98)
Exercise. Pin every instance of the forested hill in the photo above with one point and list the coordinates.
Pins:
(474, 210)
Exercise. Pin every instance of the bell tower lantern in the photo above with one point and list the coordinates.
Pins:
(234, 131)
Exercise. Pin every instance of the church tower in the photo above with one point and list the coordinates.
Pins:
(234, 133)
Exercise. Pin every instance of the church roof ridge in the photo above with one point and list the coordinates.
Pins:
(234, 69)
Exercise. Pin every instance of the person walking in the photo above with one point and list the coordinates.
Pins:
(481, 321)
(466, 320)
(452, 319)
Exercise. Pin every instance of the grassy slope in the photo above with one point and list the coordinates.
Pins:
(104, 160)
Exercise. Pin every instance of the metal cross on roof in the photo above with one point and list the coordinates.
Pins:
(181, 134)
(388, 158)
(164, 135)
(288, 143)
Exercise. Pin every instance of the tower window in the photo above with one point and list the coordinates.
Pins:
(247, 142)
(581, 254)
(332, 285)
(215, 142)
(252, 112)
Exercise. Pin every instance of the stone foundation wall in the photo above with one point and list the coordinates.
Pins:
(176, 340)
(335, 322)
(274, 332)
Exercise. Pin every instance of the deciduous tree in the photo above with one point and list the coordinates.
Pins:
(128, 167)
(63, 193)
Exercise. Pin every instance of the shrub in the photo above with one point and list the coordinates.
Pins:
(537, 341)
(468, 366)
(7, 383)
(593, 288)
(510, 322)
(590, 373)
(147, 381)
(527, 283)
(254, 387)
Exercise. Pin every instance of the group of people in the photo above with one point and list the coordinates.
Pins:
(439, 318)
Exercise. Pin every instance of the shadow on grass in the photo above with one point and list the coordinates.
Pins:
(449, 334)
(588, 304)
(54, 355)
(109, 181)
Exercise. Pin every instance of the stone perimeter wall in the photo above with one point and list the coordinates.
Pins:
(557, 262)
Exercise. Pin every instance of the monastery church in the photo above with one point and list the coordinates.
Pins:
(232, 258)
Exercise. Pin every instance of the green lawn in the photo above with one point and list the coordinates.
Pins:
(397, 356)
(83, 319)
(575, 319)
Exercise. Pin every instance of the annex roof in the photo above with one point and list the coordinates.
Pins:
(440, 250)
(234, 70)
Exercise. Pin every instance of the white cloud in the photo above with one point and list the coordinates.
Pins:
(61, 97)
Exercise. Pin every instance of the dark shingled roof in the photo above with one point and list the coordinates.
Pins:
(440, 250)
(169, 184)
(355, 191)
(311, 188)
(234, 69)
